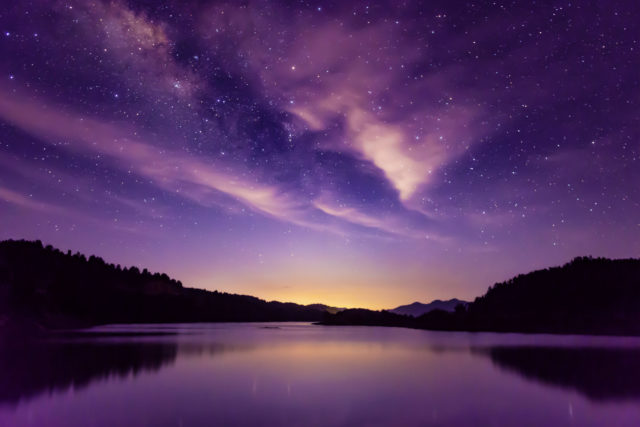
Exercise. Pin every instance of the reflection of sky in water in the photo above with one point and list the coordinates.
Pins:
(308, 375)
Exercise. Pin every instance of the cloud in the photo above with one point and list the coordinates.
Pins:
(364, 102)
(355, 216)
(169, 169)
(408, 125)
(174, 171)
(27, 202)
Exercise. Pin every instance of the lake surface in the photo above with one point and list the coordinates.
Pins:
(300, 374)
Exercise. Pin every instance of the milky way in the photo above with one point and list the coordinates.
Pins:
(353, 153)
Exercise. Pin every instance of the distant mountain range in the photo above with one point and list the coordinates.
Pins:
(417, 309)
(585, 296)
(42, 288)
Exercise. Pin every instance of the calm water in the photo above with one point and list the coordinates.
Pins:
(301, 374)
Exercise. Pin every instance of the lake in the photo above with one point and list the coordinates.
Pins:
(280, 374)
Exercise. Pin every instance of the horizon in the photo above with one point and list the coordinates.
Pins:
(343, 154)
(186, 285)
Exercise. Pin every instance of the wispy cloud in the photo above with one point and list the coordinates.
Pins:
(26, 201)
(176, 172)
(408, 125)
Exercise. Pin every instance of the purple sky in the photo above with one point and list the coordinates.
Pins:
(351, 153)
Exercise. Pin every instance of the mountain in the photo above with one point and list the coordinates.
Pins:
(418, 309)
(585, 296)
(326, 308)
(43, 288)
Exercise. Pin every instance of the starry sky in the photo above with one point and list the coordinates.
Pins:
(353, 153)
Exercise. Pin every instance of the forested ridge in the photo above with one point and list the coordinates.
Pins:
(585, 296)
(51, 288)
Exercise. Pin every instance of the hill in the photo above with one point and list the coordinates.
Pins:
(42, 287)
(417, 309)
(326, 308)
(585, 296)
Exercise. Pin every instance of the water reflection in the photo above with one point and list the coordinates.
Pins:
(598, 373)
(306, 375)
(31, 369)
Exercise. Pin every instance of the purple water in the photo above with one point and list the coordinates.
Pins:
(303, 375)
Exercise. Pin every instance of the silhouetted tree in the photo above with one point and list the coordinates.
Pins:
(585, 296)
(57, 289)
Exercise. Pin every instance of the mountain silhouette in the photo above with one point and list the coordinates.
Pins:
(585, 296)
(43, 288)
(417, 309)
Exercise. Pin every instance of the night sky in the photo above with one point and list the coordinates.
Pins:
(353, 153)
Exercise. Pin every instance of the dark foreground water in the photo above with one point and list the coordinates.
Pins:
(301, 374)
